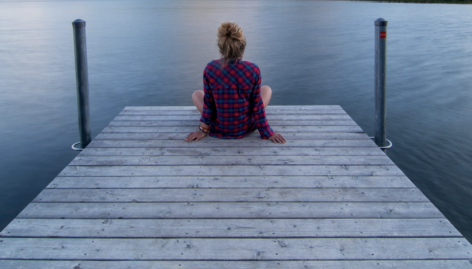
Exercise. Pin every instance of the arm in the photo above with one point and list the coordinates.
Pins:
(258, 110)
(209, 107)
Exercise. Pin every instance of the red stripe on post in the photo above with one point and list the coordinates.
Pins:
(383, 34)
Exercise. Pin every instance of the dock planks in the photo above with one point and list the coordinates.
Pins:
(139, 196)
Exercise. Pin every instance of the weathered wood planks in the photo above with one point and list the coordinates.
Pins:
(231, 195)
(274, 117)
(253, 136)
(235, 249)
(230, 228)
(213, 142)
(346, 264)
(231, 170)
(235, 182)
(191, 123)
(235, 151)
(230, 210)
(139, 196)
(188, 129)
(235, 160)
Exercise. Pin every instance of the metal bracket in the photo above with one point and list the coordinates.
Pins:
(75, 148)
(386, 147)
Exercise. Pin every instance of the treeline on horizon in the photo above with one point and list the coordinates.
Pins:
(423, 1)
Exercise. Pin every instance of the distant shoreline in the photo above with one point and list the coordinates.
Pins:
(422, 1)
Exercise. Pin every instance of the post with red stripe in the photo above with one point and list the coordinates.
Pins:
(380, 83)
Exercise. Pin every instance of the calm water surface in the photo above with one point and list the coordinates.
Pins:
(310, 53)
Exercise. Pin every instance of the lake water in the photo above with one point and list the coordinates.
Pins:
(310, 52)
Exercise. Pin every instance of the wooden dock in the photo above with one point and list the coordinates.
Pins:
(139, 196)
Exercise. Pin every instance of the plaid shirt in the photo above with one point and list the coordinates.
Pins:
(233, 105)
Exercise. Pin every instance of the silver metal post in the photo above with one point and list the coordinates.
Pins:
(380, 82)
(81, 72)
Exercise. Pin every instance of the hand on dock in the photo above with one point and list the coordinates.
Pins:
(195, 136)
(277, 138)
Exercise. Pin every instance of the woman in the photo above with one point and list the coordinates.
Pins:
(233, 102)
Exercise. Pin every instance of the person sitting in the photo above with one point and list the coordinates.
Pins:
(233, 102)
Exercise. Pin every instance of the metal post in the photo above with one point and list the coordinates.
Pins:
(81, 72)
(380, 82)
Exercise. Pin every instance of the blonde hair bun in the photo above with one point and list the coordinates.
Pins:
(230, 30)
(231, 41)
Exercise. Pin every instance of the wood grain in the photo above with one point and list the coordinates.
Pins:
(194, 182)
(140, 196)
(236, 249)
(229, 228)
(180, 264)
(231, 210)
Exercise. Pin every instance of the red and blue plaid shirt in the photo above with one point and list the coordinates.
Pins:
(233, 105)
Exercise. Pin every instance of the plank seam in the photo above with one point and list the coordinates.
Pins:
(238, 260)
(237, 237)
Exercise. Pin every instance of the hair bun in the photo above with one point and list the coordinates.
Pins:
(230, 30)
